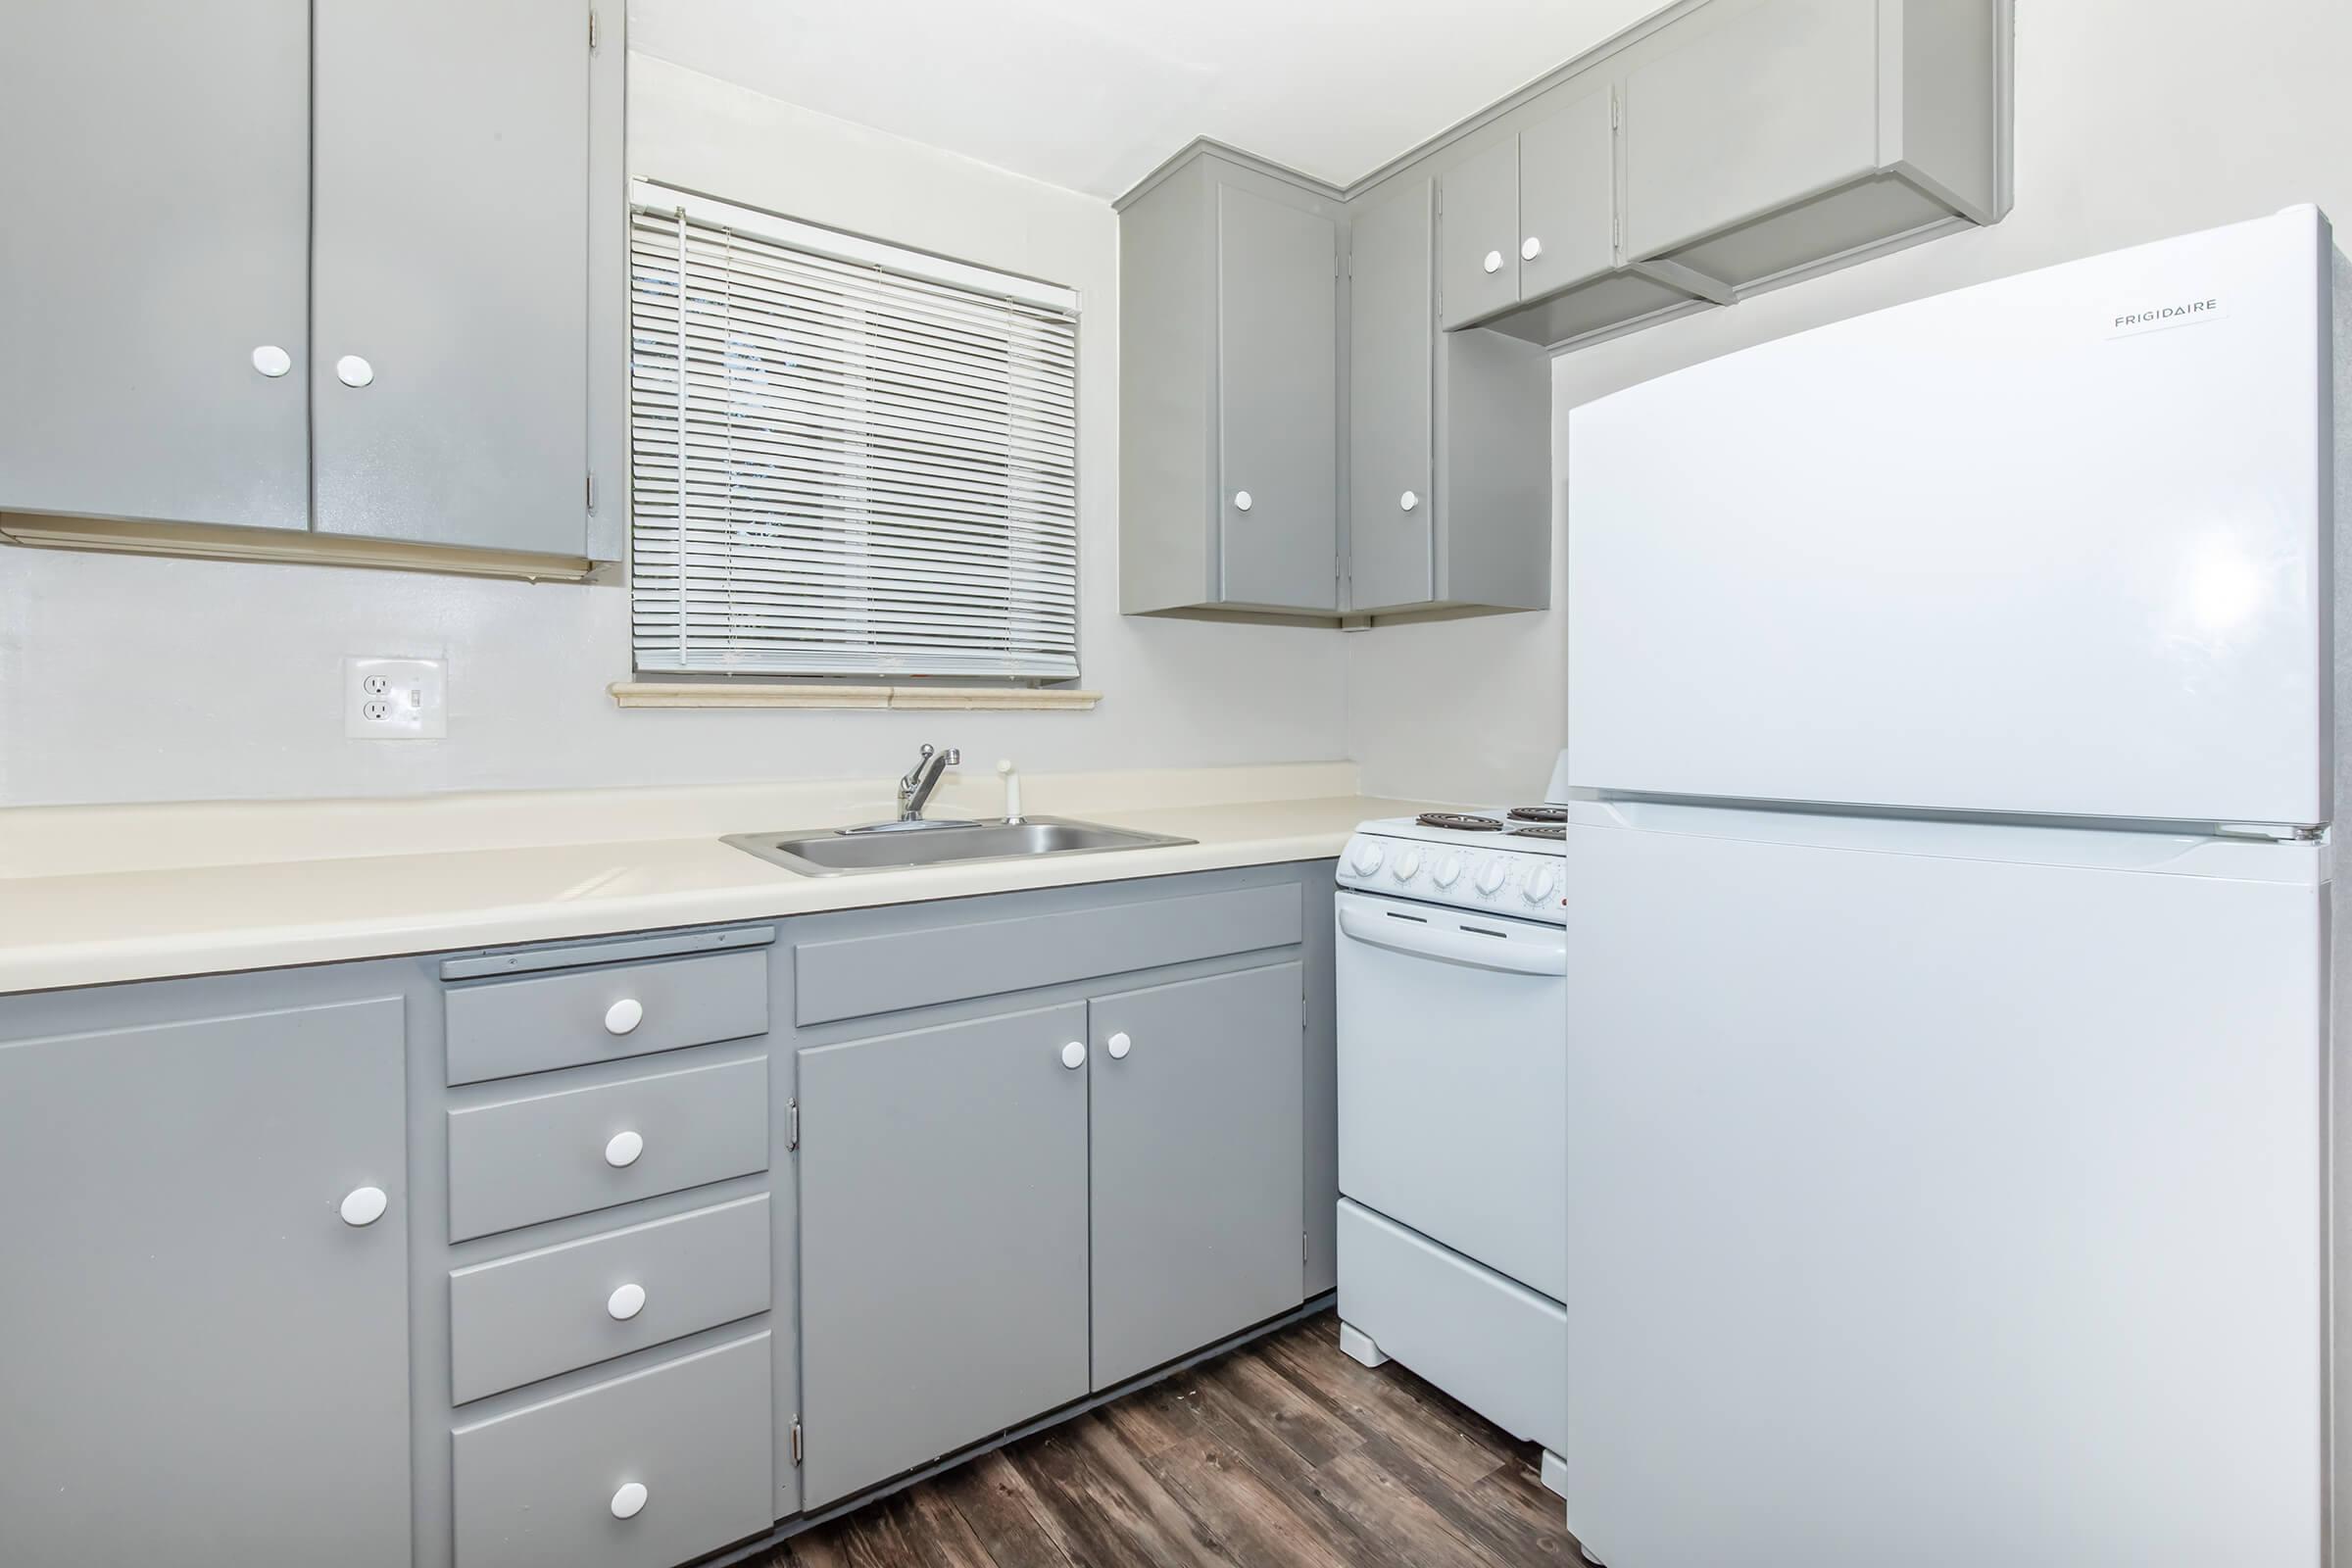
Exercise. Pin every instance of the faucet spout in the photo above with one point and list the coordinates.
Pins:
(915, 790)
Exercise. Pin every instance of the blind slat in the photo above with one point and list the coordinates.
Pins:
(840, 469)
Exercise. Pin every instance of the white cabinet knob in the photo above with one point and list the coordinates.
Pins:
(629, 1501)
(1407, 501)
(273, 361)
(352, 371)
(1242, 501)
(1530, 247)
(623, 1148)
(1119, 1046)
(1073, 1054)
(623, 1015)
(625, 1304)
(363, 1205)
(1494, 262)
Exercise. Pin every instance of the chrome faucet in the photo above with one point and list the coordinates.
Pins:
(921, 779)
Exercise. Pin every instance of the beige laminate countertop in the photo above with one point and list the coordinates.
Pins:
(100, 927)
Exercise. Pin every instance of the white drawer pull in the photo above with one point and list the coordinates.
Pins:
(626, 1302)
(352, 371)
(1119, 1046)
(273, 361)
(1530, 247)
(1073, 1054)
(1407, 501)
(1242, 501)
(623, 1148)
(363, 1205)
(629, 1501)
(1494, 262)
(623, 1015)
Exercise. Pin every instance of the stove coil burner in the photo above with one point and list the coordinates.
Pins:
(1547, 831)
(1540, 813)
(1459, 822)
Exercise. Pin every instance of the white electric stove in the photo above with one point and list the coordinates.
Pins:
(1453, 1046)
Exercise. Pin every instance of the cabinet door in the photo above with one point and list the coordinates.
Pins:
(1478, 246)
(1391, 325)
(1567, 197)
(156, 193)
(943, 1240)
(451, 253)
(205, 1363)
(1197, 1147)
(1775, 103)
(1277, 403)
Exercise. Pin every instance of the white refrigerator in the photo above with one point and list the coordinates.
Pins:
(1951, 699)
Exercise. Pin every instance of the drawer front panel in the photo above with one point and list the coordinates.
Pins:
(856, 976)
(510, 1027)
(522, 1161)
(528, 1318)
(547, 1484)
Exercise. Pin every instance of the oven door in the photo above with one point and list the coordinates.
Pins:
(1453, 1056)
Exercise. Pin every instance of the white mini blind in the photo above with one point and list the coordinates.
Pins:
(842, 467)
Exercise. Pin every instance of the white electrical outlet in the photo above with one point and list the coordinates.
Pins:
(395, 699)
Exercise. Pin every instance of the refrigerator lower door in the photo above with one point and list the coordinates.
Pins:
(1941, 1195)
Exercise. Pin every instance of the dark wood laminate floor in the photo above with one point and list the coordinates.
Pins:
(1282, 1452)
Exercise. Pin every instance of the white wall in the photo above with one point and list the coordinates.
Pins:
(124, 678)
(2135, 120)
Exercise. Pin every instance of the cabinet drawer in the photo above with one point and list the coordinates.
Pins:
(545, 1484)
(510, 1027)
(520, 1161)
(531, 1316)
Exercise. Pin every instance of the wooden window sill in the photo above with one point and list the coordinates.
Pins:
(934, 699)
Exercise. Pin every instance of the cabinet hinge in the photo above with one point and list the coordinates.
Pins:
(592, 29)
(791, 1137)
(592, 493)
(796, 1439)
(1302, 1247)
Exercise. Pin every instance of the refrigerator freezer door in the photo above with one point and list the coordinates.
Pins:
(1941, 1210)
(2037, 547)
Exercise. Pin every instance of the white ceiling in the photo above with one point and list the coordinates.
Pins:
(1093, 94)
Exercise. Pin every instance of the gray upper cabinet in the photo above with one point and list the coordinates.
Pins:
(943, 1234)
(153, 333)
(326, 270)
(449, 297)
(1567, 197)
(1277, 403)
(1781, 134)
(1197, 1136)
(1229, 395)
(206, 1300)
(1480, 199)
(1449, 444)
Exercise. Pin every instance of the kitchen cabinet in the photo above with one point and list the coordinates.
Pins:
(207, 1295)
(1229, 395)
(141, 134)
(943, 1240)
(1781, 134)
(1195, 1121)
(386, 334)
(1449, 443)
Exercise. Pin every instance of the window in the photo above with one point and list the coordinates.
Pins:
(847, 458)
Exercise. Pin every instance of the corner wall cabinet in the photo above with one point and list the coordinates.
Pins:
(626, 1251)
(331, 285)
(1719, 148)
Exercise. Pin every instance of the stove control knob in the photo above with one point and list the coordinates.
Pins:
(1365, 856)
(1408, 864)
(1448, 871)
(1490, 877)
(1540, 883)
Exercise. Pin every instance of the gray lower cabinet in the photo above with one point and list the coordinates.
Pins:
(129, 388)
(943, 1232)
(1196, 1119)
(652, 1468)
(206, 1297)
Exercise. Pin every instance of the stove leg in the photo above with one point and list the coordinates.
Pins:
(1359, 1347)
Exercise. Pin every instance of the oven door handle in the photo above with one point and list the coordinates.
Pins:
(1542, 950)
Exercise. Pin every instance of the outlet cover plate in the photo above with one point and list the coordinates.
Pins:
(395, 699)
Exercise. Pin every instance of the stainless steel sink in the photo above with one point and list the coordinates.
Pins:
(891, 846)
